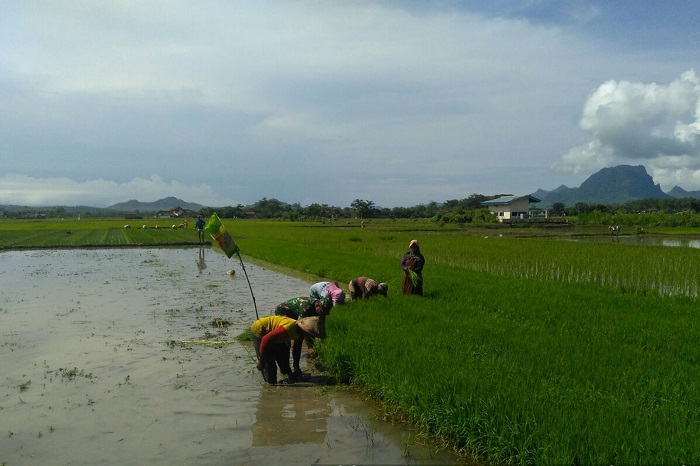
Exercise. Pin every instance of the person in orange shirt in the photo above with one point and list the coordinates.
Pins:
(271, 338)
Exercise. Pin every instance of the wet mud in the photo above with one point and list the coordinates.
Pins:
(95, 371)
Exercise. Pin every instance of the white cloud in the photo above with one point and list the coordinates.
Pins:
(632, 121)
(583, 159)
(24, 190)
(269, 93)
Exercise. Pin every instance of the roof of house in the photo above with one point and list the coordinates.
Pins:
(505, 200)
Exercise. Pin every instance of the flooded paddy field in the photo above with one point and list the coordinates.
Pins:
(94, 370)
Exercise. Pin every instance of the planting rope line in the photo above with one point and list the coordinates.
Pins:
(207, 342)
(216, 343)
(251, 356)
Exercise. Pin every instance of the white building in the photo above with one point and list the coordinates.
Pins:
(510, 207)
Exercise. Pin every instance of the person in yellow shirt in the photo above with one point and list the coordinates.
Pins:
(271, 338)
(296, 308)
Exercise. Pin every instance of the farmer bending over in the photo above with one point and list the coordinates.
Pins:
(271, 338)
(296, 308)
(328, 290)
(363, 287)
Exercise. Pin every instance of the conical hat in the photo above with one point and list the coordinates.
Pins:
(314, 326)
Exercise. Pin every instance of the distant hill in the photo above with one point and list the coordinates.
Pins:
(680, 193)
(609, 186)
(72, 210)
(166, 203)
(116, 210)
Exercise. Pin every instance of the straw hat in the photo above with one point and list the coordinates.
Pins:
(314, 326)
(413, 242)
(383, 289)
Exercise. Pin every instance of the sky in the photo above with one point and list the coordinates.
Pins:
(223, 102)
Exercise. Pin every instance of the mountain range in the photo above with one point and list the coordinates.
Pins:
(609, 186)
(612, 186)
(166, 203)
(132, 206)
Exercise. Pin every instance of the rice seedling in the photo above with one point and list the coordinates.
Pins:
(522, 350)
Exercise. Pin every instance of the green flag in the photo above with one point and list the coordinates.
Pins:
(218, 232)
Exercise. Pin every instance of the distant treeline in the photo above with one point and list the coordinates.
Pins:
(467, 210)
(360, 209)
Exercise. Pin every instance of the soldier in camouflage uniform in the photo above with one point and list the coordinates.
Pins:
(297, 308)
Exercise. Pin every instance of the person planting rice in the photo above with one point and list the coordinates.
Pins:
(272, 337)
(296, 308)
(328, 290)
(363, 287)
(412, 264)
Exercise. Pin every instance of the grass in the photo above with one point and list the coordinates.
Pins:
(92, 232)
(577, 377)
(522, 351)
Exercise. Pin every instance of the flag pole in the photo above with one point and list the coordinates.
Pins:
(249, 286)
(219, 234)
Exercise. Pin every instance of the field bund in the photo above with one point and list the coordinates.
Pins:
(523, 350)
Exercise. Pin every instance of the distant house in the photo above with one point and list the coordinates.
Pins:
(176, 212)
(510, 208)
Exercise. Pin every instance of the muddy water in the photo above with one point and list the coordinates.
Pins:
(93, 370)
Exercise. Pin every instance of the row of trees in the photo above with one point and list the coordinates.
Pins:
(467, 210)
(273, 208)
(669, 206)
(359, 208)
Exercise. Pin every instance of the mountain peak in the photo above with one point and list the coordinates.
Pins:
(167, 203)
(610, 186)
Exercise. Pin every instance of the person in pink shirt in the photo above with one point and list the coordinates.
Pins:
(331, 290)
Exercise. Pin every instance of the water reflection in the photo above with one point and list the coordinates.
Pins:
(688, 243)
(643, 241)
(201, 264)
(290, 415)
(116, 316)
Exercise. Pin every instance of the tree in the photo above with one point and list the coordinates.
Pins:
(363, 208)
(558, 209)
(270, 208)
(580, 208)
(474, 201)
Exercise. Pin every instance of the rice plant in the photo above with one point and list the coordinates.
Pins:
(522, 350)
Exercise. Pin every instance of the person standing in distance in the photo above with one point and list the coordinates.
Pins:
(199, 226)
(412, 265)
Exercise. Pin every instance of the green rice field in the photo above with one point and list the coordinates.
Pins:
(526, 348)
